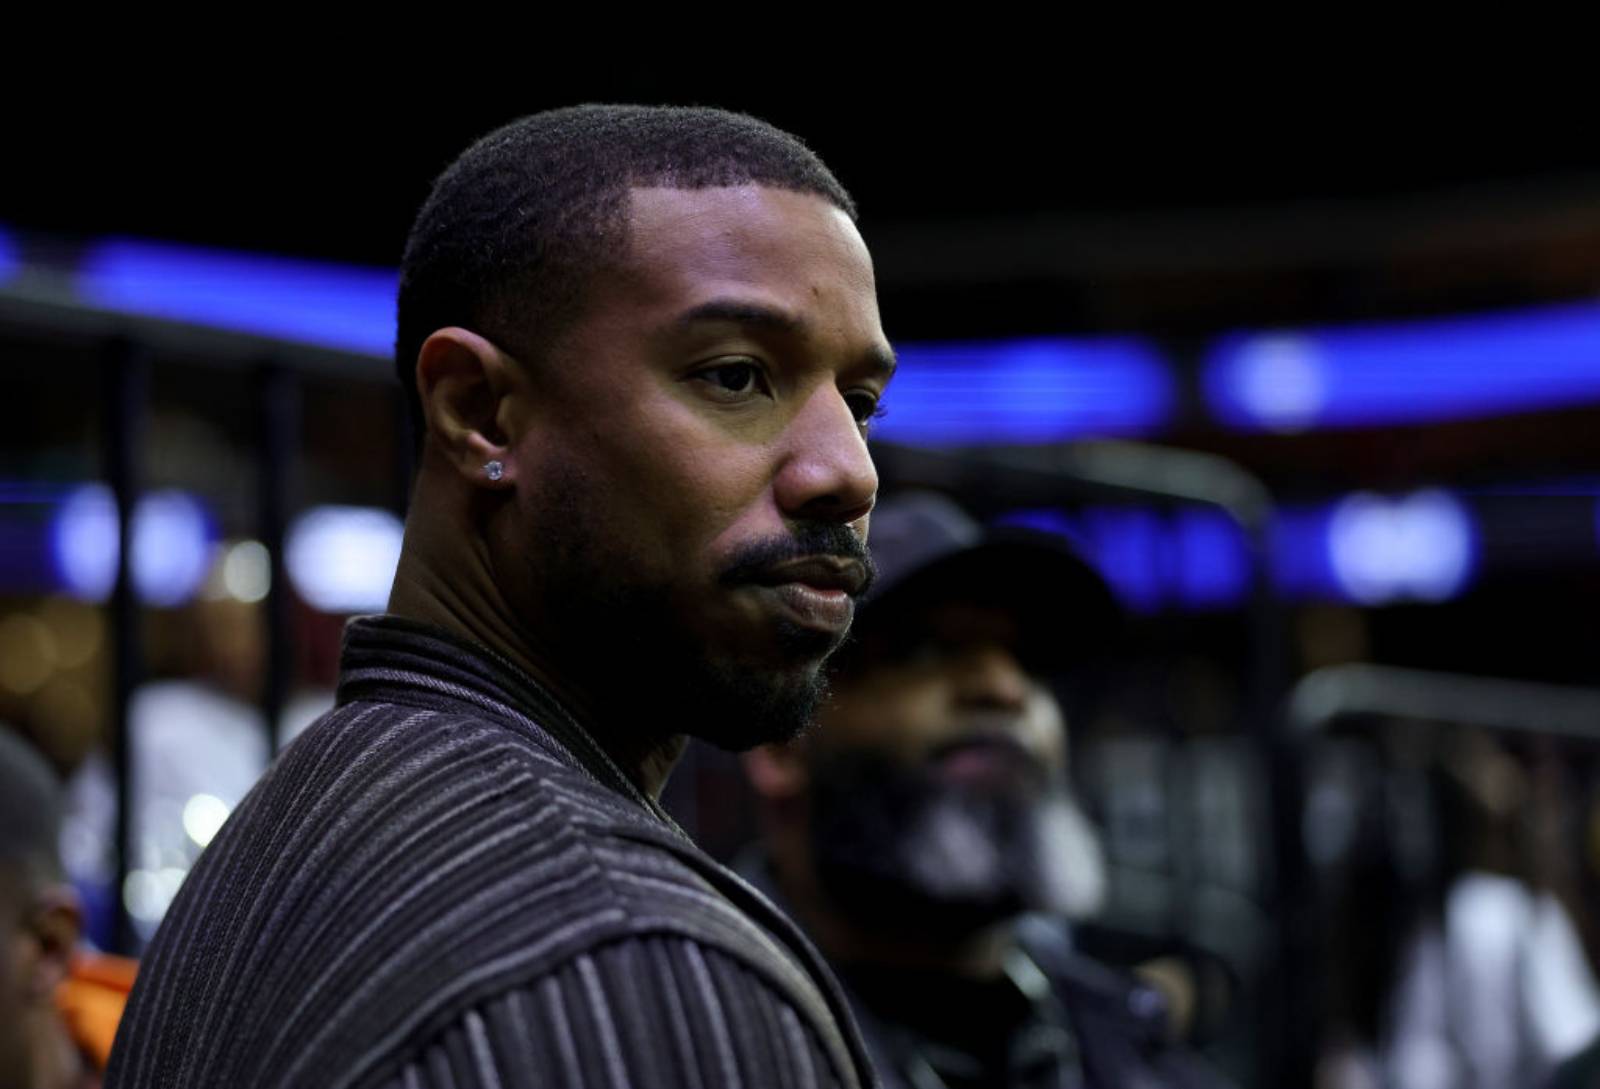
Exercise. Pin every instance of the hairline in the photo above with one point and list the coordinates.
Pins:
(505, 249)
(612, 254)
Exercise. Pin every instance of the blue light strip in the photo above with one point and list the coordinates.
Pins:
(337, 306)
(1191, 558)
(1027, 391)
(10, 255)
(62, 538)
(1021, 391)
(1017, 391)
(1197, 558)
(1407, 373)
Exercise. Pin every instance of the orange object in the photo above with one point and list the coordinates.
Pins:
(90, 1000)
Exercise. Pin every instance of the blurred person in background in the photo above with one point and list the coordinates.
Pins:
(643, 348)
(59, 1004)
(1581, 1071)
(198, 742)
(1494, 986)
(926, 834)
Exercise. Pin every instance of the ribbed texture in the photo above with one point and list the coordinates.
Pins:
(445, 883)
(644, 1013)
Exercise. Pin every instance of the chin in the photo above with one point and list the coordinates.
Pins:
(795, 646)
(747, 705)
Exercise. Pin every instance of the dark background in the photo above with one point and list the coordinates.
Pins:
(1068, 192)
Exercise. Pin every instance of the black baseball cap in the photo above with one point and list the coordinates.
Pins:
(927, 549)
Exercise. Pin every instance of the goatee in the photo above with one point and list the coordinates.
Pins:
(627, 641)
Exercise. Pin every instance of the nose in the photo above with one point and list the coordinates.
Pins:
(826, 474)
(992, 679)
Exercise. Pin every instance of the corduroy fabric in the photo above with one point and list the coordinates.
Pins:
(445, 883)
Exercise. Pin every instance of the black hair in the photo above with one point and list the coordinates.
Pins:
(513, 230)
(30, 812)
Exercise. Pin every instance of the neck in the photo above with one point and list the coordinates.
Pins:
(440, 583)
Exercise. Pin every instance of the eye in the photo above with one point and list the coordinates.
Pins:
(864, 406)
(738, 378)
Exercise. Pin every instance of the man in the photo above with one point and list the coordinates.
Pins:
(645, 347)
(58, 1005)
(925, 834)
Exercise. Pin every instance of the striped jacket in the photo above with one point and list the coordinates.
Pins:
(445, 883)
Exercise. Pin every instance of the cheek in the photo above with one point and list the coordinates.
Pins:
(693, 494)
(902, 718)
(1046, 728)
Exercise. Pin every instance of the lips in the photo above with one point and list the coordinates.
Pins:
(823, 573)
(986, 757)
(816, 592)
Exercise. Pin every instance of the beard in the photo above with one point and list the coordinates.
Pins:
(897, 849)
(630, 643)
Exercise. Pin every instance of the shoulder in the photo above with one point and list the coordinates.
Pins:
(399, 868)
(1122, 1023)
(660, 1010)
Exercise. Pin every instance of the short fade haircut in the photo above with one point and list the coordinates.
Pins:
(30, 814)
(515, 228)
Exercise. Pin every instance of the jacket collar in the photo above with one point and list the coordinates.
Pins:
(395, 660)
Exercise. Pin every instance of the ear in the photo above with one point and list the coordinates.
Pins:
(777, 772)
(56, 925)
(464, 382)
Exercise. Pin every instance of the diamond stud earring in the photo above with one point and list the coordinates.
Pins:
(494, 470)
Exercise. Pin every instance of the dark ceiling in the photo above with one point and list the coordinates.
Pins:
(1020, 195)
(312, 168)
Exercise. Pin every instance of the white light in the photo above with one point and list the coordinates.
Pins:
(1419, 547)
(247, 571)
(141, 895)
(1281, 381)
(342, 559)
(171, 547)
(148, 893)
(203, 815)
(86, 543)
(1444, 542)
(171, 544)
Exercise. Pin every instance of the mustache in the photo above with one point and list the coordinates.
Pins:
(752, 561)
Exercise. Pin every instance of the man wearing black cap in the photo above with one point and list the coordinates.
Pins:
(925, 834)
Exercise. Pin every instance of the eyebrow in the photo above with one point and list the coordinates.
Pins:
(732, 311)
(741, 313)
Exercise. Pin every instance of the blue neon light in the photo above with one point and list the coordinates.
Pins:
(173, 537)
(1127, 545)
(63, 538)
(1300, 560)
(1212, 559)
(10, 255)
(1364, 549)
(1192, 558)
(1027, 391)
(27, 555)
(1416, 372)
(335, 306)
(1022, 391)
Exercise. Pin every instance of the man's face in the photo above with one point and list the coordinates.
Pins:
(938, 789)
(690, 537)
(943, 687)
